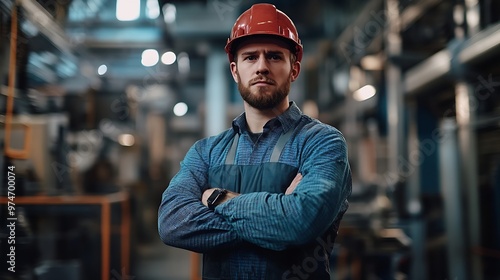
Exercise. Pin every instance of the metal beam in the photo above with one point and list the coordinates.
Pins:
(437, 67)
(430, 71)
(47, 25)
(482, 46)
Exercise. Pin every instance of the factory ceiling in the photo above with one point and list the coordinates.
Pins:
(65, 42)
(63, 34)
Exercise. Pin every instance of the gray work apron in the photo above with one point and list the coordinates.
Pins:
(248, 261)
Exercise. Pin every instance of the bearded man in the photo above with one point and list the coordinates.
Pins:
(263, 199)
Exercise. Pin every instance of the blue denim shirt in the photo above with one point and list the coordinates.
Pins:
(270, 220)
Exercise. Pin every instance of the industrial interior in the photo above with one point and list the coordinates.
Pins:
(101, 99)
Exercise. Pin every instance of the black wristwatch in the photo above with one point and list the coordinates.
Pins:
(216, 197)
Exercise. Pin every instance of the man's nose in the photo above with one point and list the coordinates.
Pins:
(262, 66)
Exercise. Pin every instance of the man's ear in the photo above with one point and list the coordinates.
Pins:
(295, 71)
(234, 71)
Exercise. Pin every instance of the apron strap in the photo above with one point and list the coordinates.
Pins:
(232, 151)
(278, 148)
(275, 156)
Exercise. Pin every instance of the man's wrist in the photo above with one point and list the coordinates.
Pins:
(216, 197)
(208, 193)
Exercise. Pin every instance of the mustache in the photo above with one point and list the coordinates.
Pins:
(262, 79)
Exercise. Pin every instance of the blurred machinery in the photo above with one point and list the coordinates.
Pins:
(413, 86)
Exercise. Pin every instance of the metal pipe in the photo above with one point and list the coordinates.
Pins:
(453, 209)
(216, 94)
(482, 46)
(9, 151)
(428, 72)
(417, 225)
(395, 104)
(469, 170)
(46, 24)
(437, 67)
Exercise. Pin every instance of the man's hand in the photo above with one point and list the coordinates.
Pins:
(294, 183)
(208, 192)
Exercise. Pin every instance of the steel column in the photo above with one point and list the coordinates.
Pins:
(465, 114)
(216, 94)
(453, 208)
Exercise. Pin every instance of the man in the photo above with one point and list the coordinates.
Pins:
(262, 200)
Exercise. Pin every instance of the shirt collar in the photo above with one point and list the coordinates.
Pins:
(287, 120)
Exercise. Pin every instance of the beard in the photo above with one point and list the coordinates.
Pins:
(260, 99)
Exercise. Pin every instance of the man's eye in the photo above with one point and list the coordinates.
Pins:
(251, 57)
(275, 57)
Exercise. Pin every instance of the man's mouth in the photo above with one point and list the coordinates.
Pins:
(262, 82)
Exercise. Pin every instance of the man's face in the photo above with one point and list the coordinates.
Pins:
(264, 72)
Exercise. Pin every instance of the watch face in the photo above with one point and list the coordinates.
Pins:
(214, 197)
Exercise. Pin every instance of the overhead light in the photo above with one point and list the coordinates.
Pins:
(126, 139)
(150, 57)
(102, 69)
(127, 10)
(364, 93)
(169, 13)
(152, 9)
(180, 109)
(168, 58)
(183, 63)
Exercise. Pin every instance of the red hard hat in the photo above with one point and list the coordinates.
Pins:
(264, 19)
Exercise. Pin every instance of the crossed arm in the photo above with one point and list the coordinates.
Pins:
(270, 220)
(230, 194)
